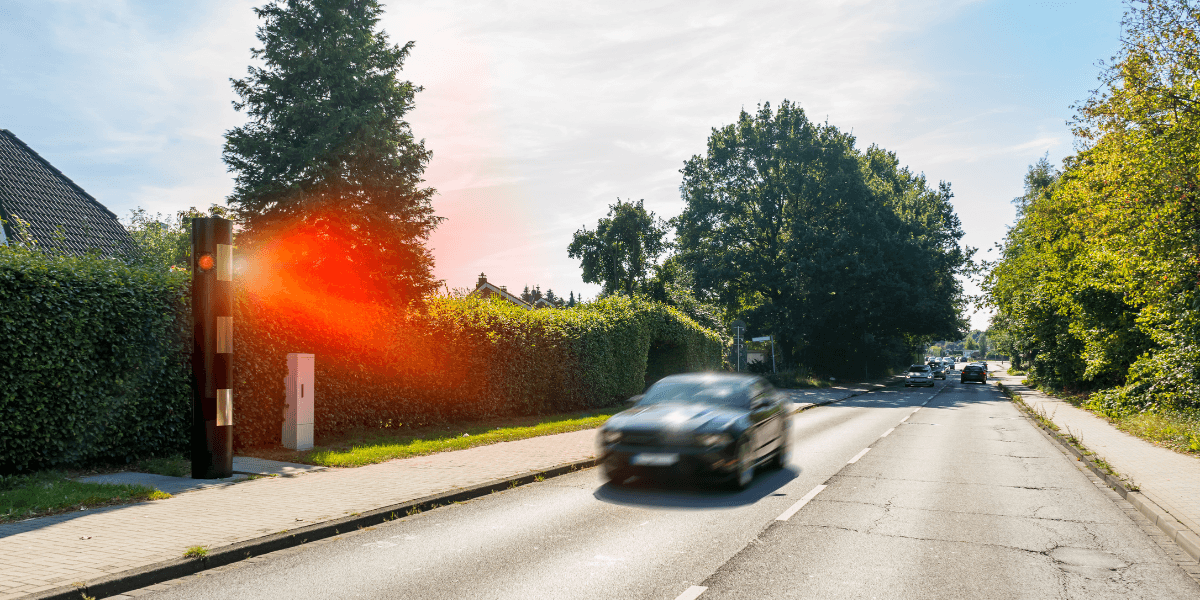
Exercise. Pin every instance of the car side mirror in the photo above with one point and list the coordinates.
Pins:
(634, 400)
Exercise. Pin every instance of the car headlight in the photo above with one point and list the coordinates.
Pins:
(609, 436)
(710, 440)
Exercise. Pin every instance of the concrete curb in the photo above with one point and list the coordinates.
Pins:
(119, 583)
(1185, 538)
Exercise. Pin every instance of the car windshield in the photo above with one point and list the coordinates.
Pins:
(726, 393)
(917, 368)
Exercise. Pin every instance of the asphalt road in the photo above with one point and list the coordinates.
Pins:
(960, 498)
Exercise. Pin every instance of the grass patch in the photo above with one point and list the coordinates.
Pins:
(797, 380)
(195, 552)
(1178, 430)
(171, 466)
(52, 492)
(356, 449)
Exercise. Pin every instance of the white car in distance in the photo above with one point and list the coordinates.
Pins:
(919, 375)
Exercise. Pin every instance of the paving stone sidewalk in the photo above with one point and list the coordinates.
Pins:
(1170, 479)
(52, 552)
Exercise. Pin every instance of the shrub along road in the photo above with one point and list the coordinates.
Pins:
(958, 496)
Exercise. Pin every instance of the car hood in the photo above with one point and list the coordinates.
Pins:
(676, 417)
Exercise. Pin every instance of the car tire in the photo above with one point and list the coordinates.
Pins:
(780, 457)
(743, 473)
(616, 476)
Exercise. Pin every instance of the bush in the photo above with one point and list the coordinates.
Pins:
(94, 361)
(462, 358)
(92, 367)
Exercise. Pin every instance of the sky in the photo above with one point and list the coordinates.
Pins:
(542, 114)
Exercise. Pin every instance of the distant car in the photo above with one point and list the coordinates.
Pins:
(973, 373)
(699, 426)
(949, 362)
(918, 375)
(938, 369)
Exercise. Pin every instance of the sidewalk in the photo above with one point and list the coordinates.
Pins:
(1168, 478)
(52, 553)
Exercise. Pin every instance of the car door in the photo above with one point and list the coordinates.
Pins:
(765, 409)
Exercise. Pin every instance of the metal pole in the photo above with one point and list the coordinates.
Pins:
(212, 348)
(737, 349)
(773, 354)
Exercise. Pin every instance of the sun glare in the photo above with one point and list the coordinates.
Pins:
(306, 273)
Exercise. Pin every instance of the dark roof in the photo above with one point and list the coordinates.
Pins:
(61, 216)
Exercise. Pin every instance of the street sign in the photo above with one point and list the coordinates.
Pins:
(765, 338)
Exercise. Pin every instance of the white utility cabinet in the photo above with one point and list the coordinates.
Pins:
(298, 412)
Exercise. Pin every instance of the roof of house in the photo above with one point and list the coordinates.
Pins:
(60, 215)
(483, 289)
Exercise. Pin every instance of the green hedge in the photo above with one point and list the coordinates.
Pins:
(91, 364)
(463, 358)
(94, 362)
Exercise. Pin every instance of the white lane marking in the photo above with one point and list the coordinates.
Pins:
(905, 419)
(691, 593)
(787, 514)
(885, 434)
(917, 408)
(859, 455)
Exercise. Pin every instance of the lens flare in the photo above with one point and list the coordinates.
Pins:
(307, 273)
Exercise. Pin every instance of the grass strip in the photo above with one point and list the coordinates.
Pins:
(1172, 428)
(51, 492)
(1178, 430)
(383, 447)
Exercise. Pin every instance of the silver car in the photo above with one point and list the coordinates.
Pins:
(919, 375)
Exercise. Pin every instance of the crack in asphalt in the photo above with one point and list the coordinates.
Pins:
(880, 478)
(964, 512)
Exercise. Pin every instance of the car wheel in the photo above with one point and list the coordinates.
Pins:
(616, 476)
(780, 457)
(744, 472)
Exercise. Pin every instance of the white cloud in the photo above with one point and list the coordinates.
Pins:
(541, 114)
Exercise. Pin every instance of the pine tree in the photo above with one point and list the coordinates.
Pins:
(327, 156)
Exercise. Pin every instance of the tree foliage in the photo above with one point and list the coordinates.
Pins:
(623, 248)
(327, 153)
(845, 255)
(1097, 283)
(164, 242)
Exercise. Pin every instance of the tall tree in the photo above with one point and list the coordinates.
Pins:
(1099, 281)
(843, 252)
(621, 251)
(327, 156)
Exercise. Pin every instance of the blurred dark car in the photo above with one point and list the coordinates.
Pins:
(939, 369)
(705, 426)
(973, 373)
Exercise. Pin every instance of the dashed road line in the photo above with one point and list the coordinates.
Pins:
(858, 456)
(691, 593)
(787, 514)
(905, 419)
(885, 434)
